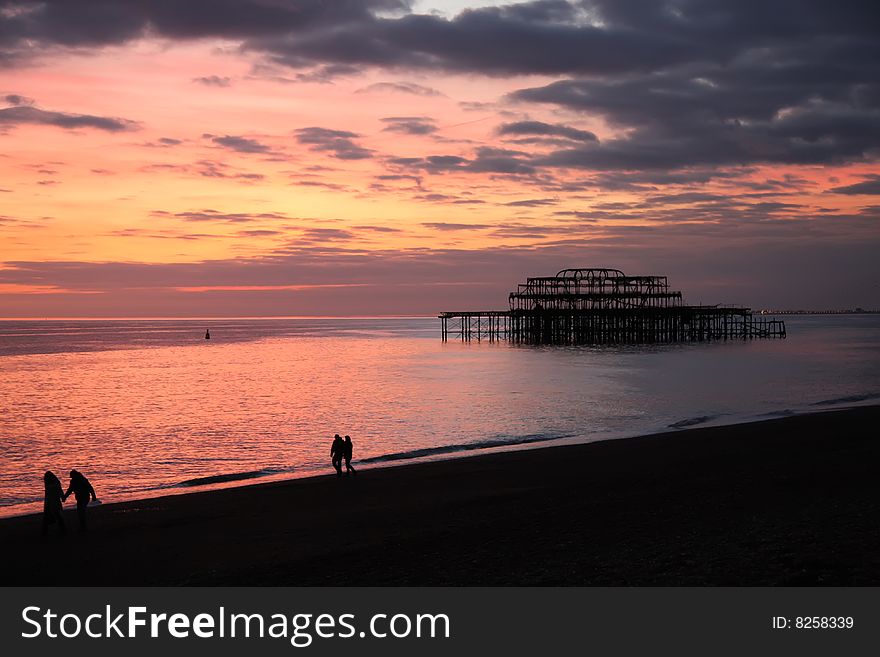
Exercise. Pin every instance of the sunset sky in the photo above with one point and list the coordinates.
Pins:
(359, 157)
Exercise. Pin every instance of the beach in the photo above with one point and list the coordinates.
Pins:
(789, 501)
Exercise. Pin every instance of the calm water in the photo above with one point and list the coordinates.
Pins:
(150, 407)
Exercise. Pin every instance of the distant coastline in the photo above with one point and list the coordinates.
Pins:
(856, 311)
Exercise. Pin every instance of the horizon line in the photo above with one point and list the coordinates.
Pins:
(209, 318)
(825, 311)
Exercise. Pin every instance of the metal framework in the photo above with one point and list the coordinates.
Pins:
(605, 306)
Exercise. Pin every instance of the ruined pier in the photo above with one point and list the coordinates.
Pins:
(605, 306)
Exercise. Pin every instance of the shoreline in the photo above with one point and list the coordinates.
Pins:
(782, 501)
(247, 479)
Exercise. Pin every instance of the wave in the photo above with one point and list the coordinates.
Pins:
(504, 441)
(786, 412)
(223, 478)
(693, 421)
(847, 399)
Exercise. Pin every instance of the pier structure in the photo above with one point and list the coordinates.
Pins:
(605, 306)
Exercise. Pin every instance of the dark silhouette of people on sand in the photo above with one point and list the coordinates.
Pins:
(207, 334)
(337, 451)
(84, 493)
(53, 503)
(347, 449)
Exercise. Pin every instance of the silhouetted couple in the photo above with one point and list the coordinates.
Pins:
(53, 502)
(341, 449)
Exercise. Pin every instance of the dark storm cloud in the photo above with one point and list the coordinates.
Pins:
(595, 37)
(871, 185)
(548, 36)
(709, 116)
(27, 28)
(22, 112)
(340, 143)
(686, 83)
(409, 125)
(546, 129)
(240, 144)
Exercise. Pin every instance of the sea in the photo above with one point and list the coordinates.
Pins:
(149, 407)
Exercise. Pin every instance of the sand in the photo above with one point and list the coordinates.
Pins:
(782, 502)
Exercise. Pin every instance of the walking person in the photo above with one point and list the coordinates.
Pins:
(347, 448)
(336, 453)
(84, 493)
(52, 503)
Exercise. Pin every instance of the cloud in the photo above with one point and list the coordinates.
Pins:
(806, 96)
(871, 185)
(16, 99)
(380, 229)
(450, 199)
(259, 232)
(326, 235)
(486, 160)
(340, 143)
(546, 129)
(837, 253)
(210, 215)
(205, 169)
(214, 169)
(431, 163)
(400, 87)
(29, 29)
(22, 112)
(532, 203)
(500, 160)
(326, 74)
(336, 187)
(319, 74)
(451, 226)
(409, 125)
(554, 37)
(240, 144)
(542, 37)
(213, 81)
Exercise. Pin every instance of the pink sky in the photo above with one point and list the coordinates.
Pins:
(159, 173)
